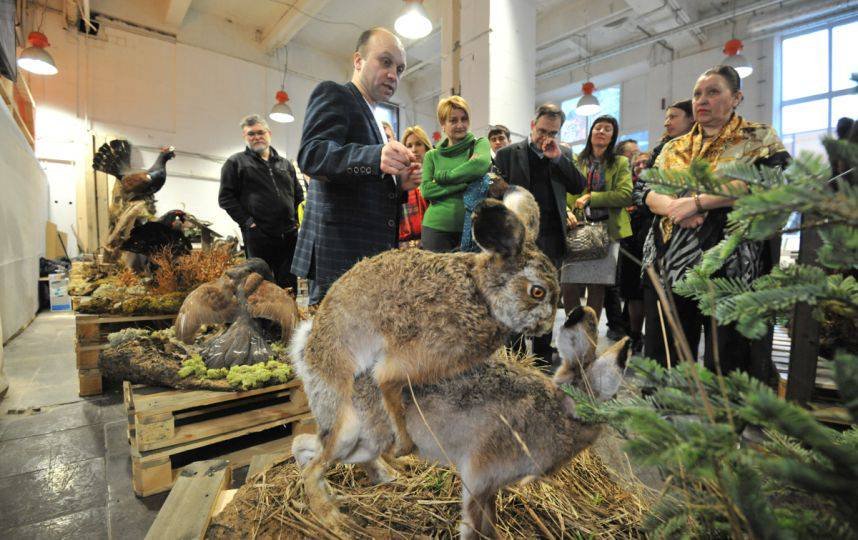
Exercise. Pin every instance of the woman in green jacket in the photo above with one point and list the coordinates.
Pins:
(607, 194)
(447, 170)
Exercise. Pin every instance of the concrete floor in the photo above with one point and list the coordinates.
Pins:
(65, 467)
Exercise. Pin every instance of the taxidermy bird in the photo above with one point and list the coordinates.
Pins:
(149, 238)
(181, 220)
(244, 292)
(114, 158)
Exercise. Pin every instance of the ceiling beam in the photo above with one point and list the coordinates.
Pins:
(291, 22)
(655, 38)
(176, 11)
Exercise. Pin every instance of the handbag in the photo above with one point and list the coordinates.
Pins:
(588, 241)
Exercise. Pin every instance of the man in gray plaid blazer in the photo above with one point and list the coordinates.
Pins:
(358, 177)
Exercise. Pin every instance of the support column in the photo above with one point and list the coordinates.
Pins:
(496, 58)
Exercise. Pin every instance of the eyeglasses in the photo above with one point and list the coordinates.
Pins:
(545, 133)
(252, 134)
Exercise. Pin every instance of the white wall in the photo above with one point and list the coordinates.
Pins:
(23, 213)
(156, 91)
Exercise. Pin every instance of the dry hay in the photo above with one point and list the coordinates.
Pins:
(581, 500)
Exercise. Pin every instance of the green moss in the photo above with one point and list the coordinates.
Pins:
(219, 373)
(239, 377)
(193, 366)
(257, 375)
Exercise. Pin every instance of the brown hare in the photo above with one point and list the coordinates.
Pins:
(478, 417)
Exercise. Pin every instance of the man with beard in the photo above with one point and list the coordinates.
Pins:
(260, 191)
(358, 176)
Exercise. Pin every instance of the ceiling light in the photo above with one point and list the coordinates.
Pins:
(35, 58)
(413, 23)
(281, 112)
(588, 104)
(736, 59)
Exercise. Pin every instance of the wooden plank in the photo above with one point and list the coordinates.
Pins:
(159, 431)
(87, 359)
(188, 509)
(805, 330)
(262, 462)
(224, 498)
(188, 414)
(151, 476)
(89, 382)
(84, 319)
(172, 450)
(154, 399)
(233, 422)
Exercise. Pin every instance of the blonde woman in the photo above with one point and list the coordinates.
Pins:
(458, 160)
(410, 227)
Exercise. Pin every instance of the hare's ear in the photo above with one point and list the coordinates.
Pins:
(497, 229)
(574, 317)
(522, 203)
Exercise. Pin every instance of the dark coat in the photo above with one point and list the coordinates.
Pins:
(513, 164)
(352, 210)
(267, 193)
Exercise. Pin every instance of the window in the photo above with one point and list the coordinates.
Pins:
(815, 85)
(642, 137)
(576, 128)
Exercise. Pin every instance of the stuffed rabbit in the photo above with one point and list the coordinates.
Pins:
(499, 423)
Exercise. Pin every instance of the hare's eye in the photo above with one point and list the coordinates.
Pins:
(536, 292)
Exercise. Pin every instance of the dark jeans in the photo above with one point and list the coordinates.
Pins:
(614, 309)
(440, 241)
(735, 351)
(276, 251)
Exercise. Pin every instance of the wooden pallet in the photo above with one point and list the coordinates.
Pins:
(91, 337)
(825, 406)
(168, 427)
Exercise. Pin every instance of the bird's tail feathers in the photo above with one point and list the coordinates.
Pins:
(113, 158)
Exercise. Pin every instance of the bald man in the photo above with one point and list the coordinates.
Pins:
(358, 176)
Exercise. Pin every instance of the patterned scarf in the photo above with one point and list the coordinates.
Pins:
(738, 140)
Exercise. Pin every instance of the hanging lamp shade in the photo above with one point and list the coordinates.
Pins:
(281, 112)
(35, 58)
(735, 58)
(413, 23)
(588, 104)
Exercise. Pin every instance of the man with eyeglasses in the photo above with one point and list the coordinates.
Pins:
(260, 191)
(544, 167)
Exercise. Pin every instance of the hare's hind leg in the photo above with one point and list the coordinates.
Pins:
(478, 514)
(391, 393)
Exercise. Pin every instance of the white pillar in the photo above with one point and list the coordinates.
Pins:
(497, 61)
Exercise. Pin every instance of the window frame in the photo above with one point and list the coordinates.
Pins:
(829, 95)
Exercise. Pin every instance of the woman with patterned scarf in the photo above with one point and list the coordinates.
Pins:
(685, 227)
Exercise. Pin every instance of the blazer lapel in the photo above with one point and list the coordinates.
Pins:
(524, 162)
(367, 112)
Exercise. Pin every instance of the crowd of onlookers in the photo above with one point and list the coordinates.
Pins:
(362, 177)
(669, 232)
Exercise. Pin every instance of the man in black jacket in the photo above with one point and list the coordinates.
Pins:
(543, 167)
(260, 191)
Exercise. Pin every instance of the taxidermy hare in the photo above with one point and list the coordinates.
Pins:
(423, 316)
(478, 417)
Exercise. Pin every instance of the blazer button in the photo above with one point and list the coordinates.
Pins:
(391, 223)
(391, 195)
